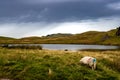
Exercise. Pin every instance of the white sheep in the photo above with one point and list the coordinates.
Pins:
(90, 61)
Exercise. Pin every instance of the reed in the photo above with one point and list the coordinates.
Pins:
(21, 46)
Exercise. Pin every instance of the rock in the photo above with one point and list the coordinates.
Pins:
(118, 31)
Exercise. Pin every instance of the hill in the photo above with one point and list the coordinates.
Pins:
(6, 39)
(58, 35)
(113, 39)
(90, 37)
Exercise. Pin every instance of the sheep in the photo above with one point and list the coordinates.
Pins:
(90, 61)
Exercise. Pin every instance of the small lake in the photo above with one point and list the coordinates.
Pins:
(77, 46)
(66, 46)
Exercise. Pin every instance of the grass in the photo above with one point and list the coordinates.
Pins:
(24, 64)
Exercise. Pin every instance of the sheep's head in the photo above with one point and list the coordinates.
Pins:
(94, 63)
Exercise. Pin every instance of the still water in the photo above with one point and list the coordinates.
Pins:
(66, 46)
(76, 46)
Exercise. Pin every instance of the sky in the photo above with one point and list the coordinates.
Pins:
(24, 18)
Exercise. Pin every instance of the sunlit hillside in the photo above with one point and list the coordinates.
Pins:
(90, 37)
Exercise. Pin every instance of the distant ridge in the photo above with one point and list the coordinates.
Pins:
(6, 38)
(58, 35)
(89, 37)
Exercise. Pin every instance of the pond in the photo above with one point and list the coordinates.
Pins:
(77, 46)
(62, 46)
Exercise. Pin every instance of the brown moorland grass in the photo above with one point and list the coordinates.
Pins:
(35, 64)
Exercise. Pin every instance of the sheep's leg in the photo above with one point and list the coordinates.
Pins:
(92, 68)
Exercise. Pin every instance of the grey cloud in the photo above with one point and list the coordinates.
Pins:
(54, 10)
(20, 18)
(115, 6)
(19, 30)
(57, 1)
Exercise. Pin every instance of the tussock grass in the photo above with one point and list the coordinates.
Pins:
(24, 64)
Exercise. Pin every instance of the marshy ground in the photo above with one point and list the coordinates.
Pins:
(28, 64)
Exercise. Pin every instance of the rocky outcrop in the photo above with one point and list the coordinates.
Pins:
(118, 31)
(105, 37)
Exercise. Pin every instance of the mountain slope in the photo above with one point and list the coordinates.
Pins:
(113, 39)
(90, 37)
(6, 39)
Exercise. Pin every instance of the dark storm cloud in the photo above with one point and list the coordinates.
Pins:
(54, 10)
(21, 18)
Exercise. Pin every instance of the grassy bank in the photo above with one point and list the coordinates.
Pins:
(22, 64)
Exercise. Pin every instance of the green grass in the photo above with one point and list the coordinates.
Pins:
(24, 64)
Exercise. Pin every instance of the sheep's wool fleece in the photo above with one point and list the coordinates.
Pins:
(87, 60)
